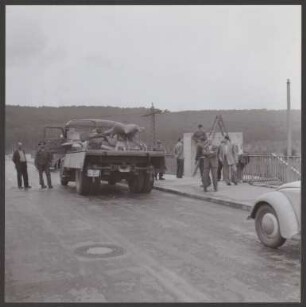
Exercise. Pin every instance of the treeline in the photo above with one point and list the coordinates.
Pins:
(263, 130)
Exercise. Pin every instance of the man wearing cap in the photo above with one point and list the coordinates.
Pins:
(20, 161)
(199, 137)
(42, 162)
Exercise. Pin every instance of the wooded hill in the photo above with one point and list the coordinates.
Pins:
(264, 131)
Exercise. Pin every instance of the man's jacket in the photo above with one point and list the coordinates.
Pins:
(16, 157)
(179, 150)
(232, 153)
(42, 159)
(210, 154)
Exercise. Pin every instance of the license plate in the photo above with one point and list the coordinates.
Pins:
(93, 173)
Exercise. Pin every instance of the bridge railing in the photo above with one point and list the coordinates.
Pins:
(272, 168)
(261, 168)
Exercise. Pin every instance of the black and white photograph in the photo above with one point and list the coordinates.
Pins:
(153, 153)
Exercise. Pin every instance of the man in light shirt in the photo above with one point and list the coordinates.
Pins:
(229, 158)
(20, 161)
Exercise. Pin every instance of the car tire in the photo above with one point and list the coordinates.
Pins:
(267, 227)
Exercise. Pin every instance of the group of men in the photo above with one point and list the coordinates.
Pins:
(42, 163)
(211, 159)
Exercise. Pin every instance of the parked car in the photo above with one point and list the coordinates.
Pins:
(277, 214)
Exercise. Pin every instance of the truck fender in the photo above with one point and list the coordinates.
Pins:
(287, 219)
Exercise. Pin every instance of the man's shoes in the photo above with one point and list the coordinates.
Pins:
(20, 188)
(43, 186)
(28, 187)
(50, 187)
(228, 183)
(161, 178)
(235, 183)
(205, 189)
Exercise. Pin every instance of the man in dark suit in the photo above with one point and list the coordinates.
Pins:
(20, 161)
(42, 162)
(160, 172)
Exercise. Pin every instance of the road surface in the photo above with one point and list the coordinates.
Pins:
(119, 247)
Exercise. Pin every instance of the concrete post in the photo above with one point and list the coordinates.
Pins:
(189, 154)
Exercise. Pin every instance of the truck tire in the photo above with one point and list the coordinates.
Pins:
(148, 182)
(94, 184)
(136, 183)
(112, 181)
(64, 181)
(81, 182)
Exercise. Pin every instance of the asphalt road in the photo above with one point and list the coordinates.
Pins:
(119, 247)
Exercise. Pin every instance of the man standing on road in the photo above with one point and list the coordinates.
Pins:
(42, 163)
(20, 161)
(229, 159)
(220, 164)
(160, 172)
(210, 163)
(199, 137)
(179, 154)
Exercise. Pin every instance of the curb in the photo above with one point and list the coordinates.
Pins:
(218, 201)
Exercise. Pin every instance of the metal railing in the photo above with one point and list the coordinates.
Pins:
(271, 169)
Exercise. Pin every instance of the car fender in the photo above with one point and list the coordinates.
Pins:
(289, 225)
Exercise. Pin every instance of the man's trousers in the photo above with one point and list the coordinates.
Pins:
(229, 172)
(22, 172)
(179, 168)
(46, 170)
(206, 177)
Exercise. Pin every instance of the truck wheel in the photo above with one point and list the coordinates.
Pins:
(112, 181)
(81, 182)
(267, 227)
(95, 184)
(136, 183)
(63, 180)
(148, 182)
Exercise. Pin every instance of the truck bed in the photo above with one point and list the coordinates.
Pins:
(98, 152)
(97, 156)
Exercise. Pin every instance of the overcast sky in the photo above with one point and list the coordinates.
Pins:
(179, 57)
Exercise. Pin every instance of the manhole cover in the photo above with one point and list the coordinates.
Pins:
(99, 251)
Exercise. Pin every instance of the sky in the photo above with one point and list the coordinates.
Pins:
(178, 57)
